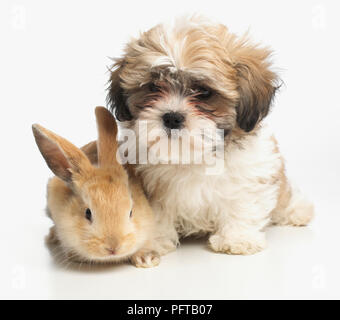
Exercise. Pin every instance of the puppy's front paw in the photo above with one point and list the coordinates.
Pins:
(146, 259)
(243, 245)
(164, 246)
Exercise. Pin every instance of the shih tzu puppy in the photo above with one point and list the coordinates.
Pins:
(196, 76)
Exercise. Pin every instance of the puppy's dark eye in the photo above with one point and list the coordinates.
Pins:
(154, 88)
(204, 93)
(131, 214)
(88, 214)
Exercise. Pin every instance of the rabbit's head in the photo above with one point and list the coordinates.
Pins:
(96, 219)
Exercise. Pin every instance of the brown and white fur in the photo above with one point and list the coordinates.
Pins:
(219, 81)
(99, 209)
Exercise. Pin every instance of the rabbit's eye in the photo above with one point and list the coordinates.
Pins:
(130, 213)
(88, 214)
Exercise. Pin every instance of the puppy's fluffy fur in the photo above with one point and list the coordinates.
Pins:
(218, 81)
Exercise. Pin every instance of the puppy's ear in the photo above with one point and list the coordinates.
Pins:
(256, 86)
(115, 97)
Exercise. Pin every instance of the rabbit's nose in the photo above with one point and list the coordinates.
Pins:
(111, 251)
(112, 246)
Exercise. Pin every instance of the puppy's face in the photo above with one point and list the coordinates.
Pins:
(192, 79)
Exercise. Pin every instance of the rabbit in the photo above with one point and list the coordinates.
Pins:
(100, 212)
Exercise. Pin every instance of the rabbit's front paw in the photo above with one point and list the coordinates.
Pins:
(146, 259)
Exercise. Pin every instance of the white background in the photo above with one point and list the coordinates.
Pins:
(53, 70)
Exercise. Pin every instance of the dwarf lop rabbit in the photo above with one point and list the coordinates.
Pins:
(100, 213)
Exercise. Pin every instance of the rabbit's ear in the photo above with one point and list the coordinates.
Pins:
(107, 137)
(61, 156)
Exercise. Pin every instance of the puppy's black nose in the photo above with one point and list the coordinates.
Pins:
(173, 120)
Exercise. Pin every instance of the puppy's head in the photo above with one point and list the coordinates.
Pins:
(192, 76)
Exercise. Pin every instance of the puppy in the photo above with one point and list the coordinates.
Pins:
(196, 76)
